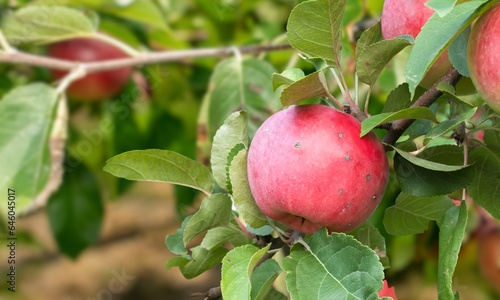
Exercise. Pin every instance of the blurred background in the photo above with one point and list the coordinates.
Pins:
(112, 245)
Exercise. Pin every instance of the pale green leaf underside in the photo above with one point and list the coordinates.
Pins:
(27, 116)
(46, 24)
(237, 268)
(231, 133)
(162, 166)
(243, 199)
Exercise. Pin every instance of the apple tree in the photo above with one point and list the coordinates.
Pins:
(371, 132)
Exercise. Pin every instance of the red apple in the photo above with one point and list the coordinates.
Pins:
(386, 291)
(489, 257)
(407, 17)
(94, 86)
(308, 169)
(483, 57)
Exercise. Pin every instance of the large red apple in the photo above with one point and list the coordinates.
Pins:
(387, 291)
(407, 17)
(308, 168)
(483, 57)
(94, 86)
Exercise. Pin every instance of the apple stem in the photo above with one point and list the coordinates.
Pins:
(5, 44)
(356, 87)
(117, 43)
(367, 101)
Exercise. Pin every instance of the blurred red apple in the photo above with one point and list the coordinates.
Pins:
(407, 17)
(94, 86)
(483, 57)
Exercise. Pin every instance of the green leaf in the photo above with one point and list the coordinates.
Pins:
(408, 113)
(371, 237)
(426, 163)
(28, 114)
(46, 24)
(163, 166)
(492, 138)
(442, 7)
(457, 52)
(434, 37)
(202, 260)
(337, 267)
(425, 182)
(174, 242)
(287, 77)
(451, 234)
(237, 268)
(263, 278)
(243, 199)
(214, 211)
(216, 237)
(76, 211)
(314, 28)
(450, 124)
(143, 11)
(371, 61)
(411, 214)
(485, 188)
(232, 132)
(369, 37)
(241, 85)
(313, 85)
(398, 99)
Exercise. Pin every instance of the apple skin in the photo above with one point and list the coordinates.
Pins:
(483, 57)
(94, 86)
(407, 17)
(489, 257)
(387, 291)
(308, 169)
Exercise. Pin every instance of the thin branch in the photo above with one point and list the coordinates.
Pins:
(143, 59)
(398, 127)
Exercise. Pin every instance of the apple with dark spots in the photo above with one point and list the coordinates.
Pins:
(407, 17)
(387, 291)
(308, 168)
(483, 57)
(94, 86)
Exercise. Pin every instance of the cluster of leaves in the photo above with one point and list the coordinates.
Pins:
(350, 268)
(230, 229)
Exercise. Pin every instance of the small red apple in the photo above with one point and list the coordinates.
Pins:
(407, 17)
(489, 257)
(483, 57)
(386, 291)
(308, 168)
(94, 86)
